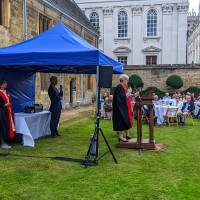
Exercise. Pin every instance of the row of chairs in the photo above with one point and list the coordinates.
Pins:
(171, 116)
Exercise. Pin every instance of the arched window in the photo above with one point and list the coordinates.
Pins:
(94, 19)
(152, 23)
(122, 24)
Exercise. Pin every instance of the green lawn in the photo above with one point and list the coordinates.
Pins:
(172, 174)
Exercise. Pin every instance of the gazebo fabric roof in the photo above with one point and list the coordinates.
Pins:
(58, 50)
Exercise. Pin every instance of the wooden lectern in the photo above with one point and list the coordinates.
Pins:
(139, 142)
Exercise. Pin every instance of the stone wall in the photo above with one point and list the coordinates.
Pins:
(158, 74)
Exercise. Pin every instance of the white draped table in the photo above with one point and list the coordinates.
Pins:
(161, 110)
(32, 126)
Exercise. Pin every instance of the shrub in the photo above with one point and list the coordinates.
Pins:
(135, 81)
(174, 81)
(112, 89)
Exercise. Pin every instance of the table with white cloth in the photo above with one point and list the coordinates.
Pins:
(167, 101)
(32, 126)
(161, 110)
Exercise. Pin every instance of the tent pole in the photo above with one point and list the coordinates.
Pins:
(63, 84)
(25, 21)
(82, 88)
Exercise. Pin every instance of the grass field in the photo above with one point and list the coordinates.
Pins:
(172, 174)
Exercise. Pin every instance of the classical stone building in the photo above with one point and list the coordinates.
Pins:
(193, 45)
(21, 19)
(140, 32)
(193, 40)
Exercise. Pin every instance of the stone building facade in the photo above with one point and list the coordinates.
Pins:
(42, 15)
(193, 45)
(140, 32)
(156, 75)
(193, 40)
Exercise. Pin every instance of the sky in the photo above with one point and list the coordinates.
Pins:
(194, 4)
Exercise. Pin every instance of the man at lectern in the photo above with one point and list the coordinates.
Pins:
(122, 114)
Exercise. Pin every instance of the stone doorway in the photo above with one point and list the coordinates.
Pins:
(73, 93)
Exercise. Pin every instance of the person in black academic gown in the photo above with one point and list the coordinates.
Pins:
(56, 105)
(122, 112)
(7, 128)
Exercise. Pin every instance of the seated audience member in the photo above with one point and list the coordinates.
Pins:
(187, 108)
(197, 116)
(178, 103)
(102, 100)
(108, 105)
(156, 101)
(183, 98)
(146, 111)
(166, 96)
(193, 97)
(198, 98)
(153, 94)
(111, 98)
(174, 96)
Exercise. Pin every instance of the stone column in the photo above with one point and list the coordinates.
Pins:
(137, 35)
(167, 10)
(108, 28)
(182, 9)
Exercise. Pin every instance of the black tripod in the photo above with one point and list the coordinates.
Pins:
(92, 156)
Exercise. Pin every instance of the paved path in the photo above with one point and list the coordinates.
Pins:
(75, 112)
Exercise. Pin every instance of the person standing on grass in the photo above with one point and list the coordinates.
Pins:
(122, 112)
(7, 128)
(56, 105)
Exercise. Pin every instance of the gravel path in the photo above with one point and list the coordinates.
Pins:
(75, 112)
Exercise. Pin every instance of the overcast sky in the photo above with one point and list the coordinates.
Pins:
(194, 4)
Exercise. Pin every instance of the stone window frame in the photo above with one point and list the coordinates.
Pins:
(153, 25)
(123, 59)
(41, 29)
(151, 54)
(44, 77)
(5, 13)
(122, 30)
(94, 19)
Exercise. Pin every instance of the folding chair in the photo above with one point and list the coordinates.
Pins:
(171, 116)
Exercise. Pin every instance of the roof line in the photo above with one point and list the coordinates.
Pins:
(65, 14)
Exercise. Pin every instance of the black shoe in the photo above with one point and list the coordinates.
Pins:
(58, 134)
(122, 140)
(128, 137)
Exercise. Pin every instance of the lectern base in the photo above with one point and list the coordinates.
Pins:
(145, 144)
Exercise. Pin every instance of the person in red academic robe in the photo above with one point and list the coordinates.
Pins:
(7, 128)
(122, 112)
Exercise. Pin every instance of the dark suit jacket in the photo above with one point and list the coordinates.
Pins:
(55, 97)
(191, 106)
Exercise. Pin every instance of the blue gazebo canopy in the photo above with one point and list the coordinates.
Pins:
(58, 50)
